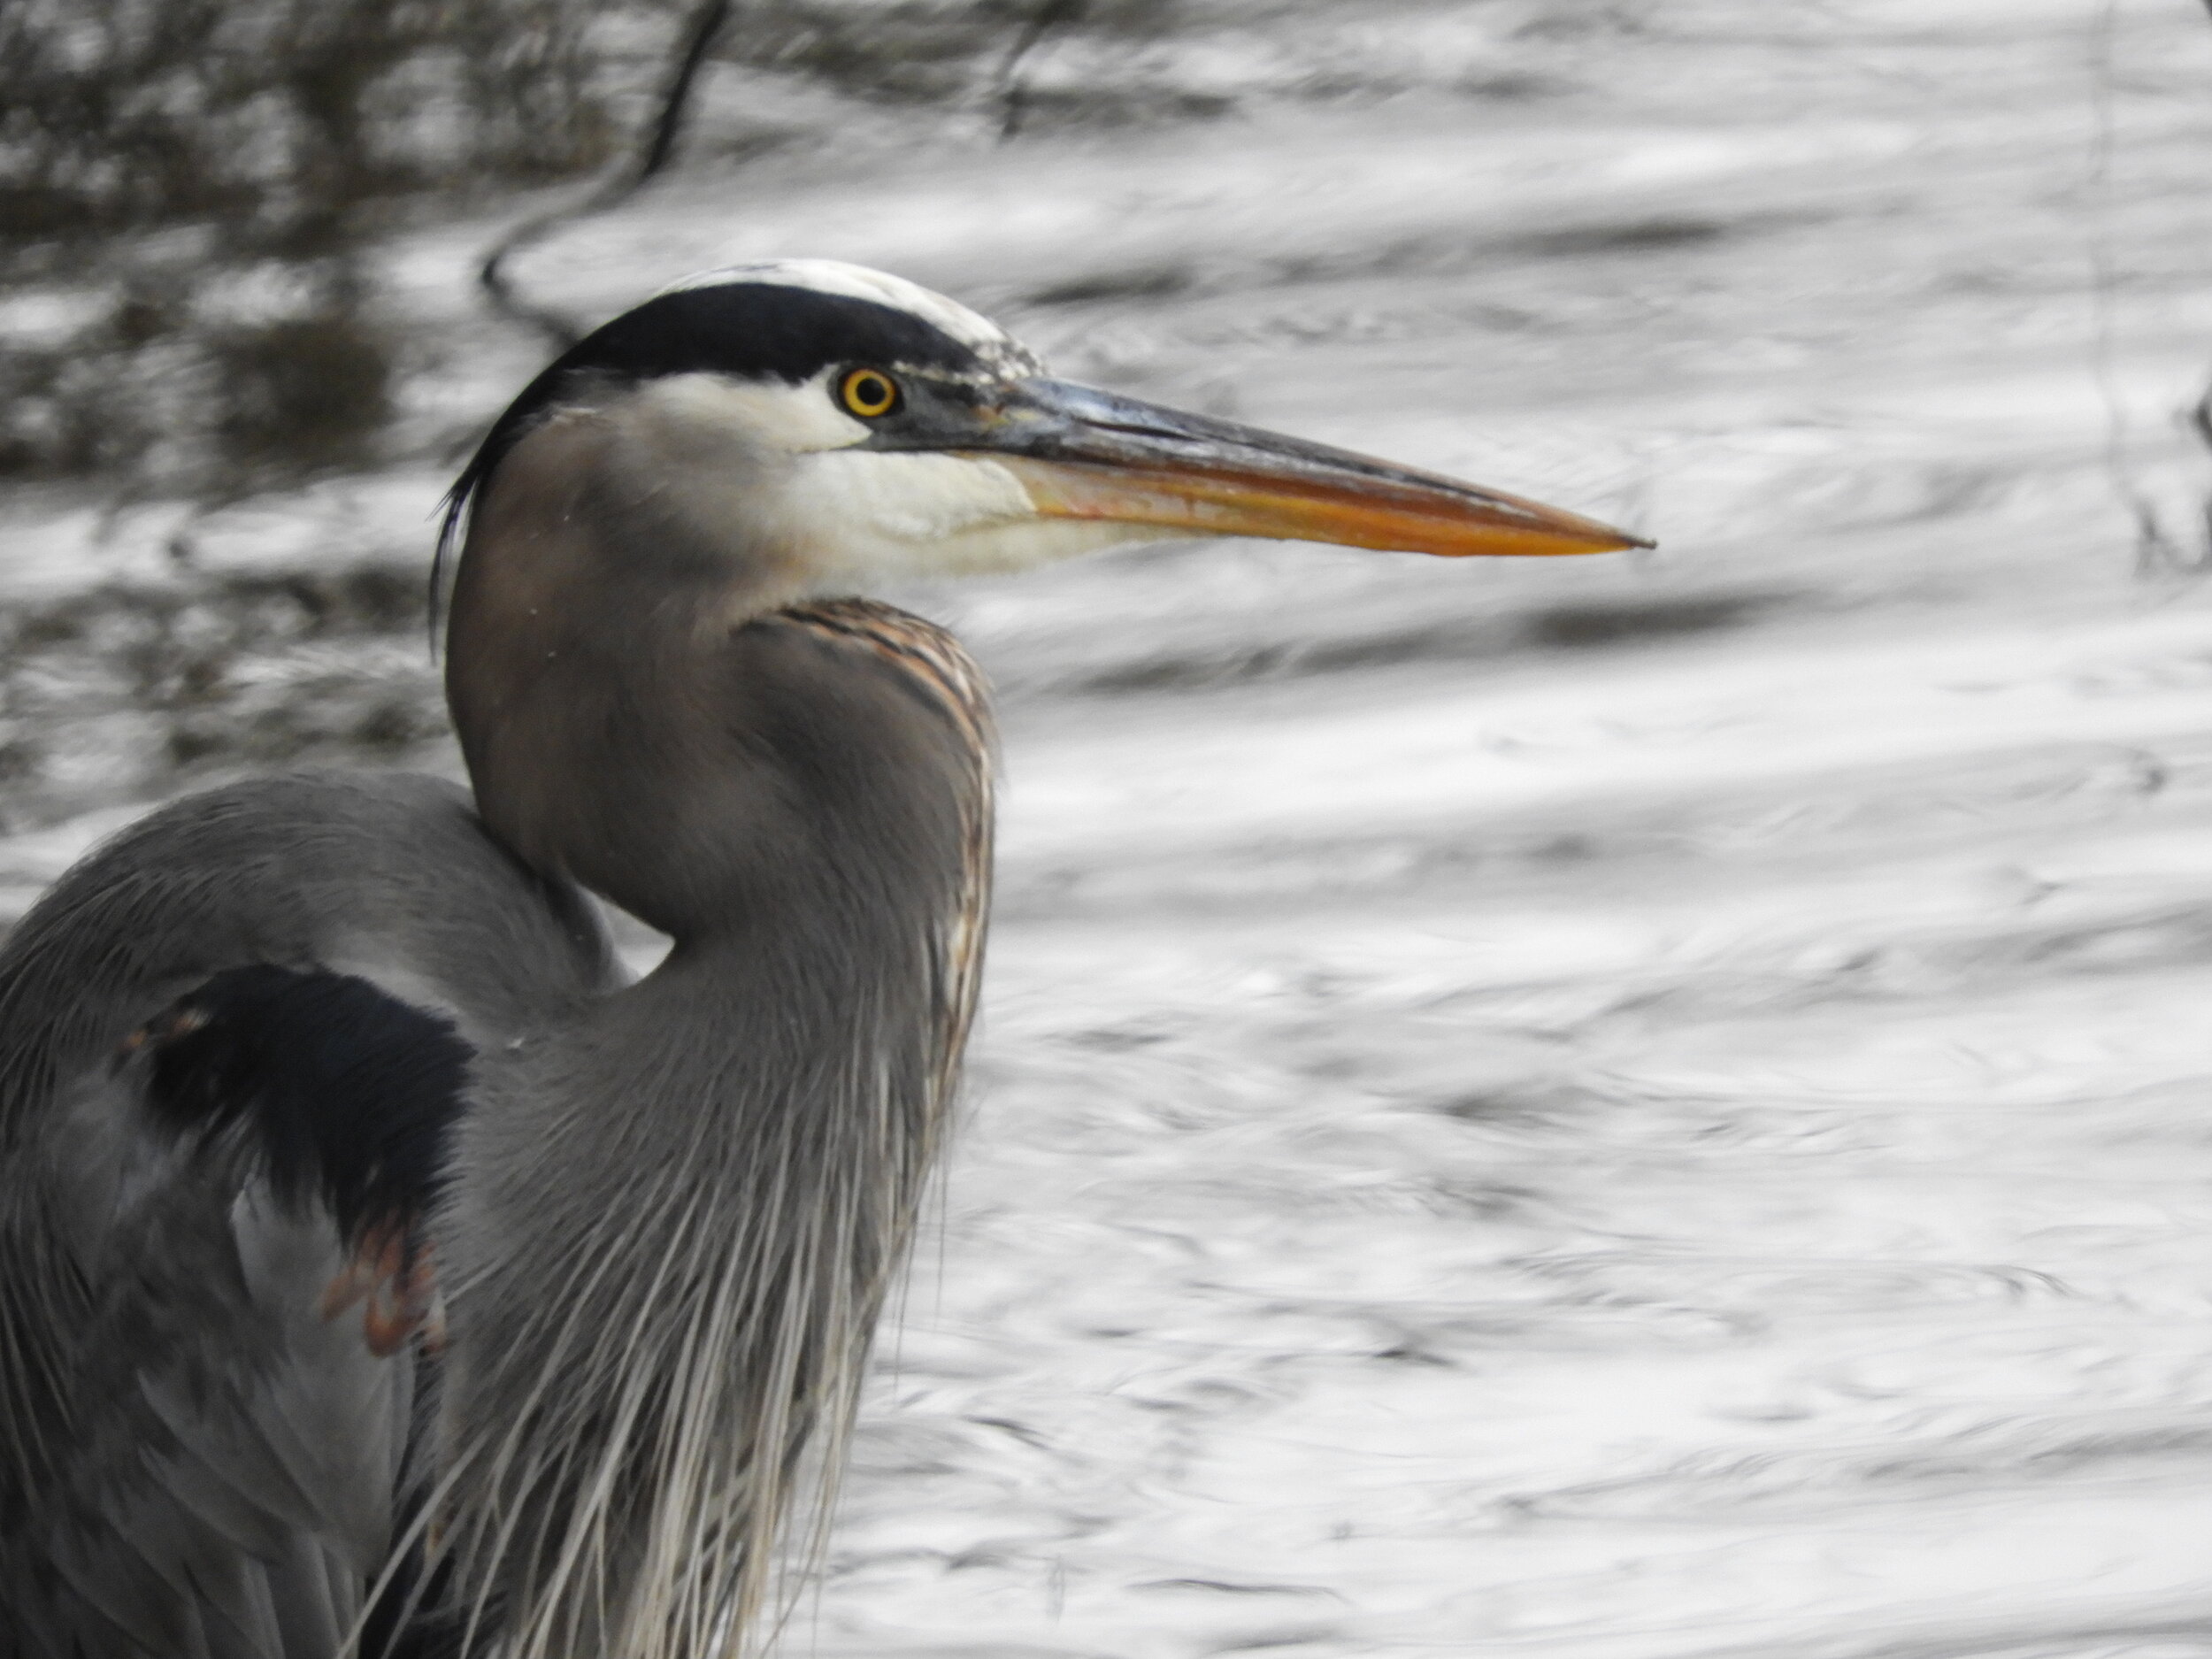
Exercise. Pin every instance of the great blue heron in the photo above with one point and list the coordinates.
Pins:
(292, 1046)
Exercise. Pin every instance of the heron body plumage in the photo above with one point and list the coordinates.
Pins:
(196, 1461)
(828, 896)
(295, 1049)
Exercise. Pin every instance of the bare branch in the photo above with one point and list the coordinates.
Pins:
(622, 182)
(1013, 93)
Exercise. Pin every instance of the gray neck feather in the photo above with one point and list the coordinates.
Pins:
(675, 1220)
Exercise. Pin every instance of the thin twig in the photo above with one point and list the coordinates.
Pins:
(2155, 548)
(676, 100)
(2199, 419)
(1013, 93)
(618, 186)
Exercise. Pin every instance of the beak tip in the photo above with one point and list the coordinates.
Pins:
(1606, 538)
(1589, 536)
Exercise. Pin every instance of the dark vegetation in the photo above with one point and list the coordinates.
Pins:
(188, 192)
(193, 195)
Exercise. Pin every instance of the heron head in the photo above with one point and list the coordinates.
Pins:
(832, 429)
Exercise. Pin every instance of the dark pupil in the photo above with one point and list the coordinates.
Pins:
(872, 390)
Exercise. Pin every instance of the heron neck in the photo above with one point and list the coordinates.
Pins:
(673, 1222)
(674, 1225)
(635, 715)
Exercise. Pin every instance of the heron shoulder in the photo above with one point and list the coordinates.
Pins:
(390, 876)
(179, 1421)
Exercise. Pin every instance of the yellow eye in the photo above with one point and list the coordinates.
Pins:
(869, 392)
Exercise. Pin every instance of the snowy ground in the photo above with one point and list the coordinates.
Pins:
(1632, 1108)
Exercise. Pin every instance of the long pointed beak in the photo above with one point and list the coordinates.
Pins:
(1088, 453)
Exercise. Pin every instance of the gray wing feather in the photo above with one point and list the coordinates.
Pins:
(195, 1463)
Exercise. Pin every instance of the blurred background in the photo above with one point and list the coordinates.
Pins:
(1649, 1106)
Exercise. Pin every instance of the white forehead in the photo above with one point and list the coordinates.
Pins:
(978, 332)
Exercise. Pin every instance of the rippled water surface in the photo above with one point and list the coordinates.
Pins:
(1648, 1107)
(1637, 1110)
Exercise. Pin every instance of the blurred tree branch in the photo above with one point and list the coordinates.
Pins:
(706, 22)
(188, 192)
(1012, 92)
(192, 192)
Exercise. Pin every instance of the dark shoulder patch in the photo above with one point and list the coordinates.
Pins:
(343, 1095)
